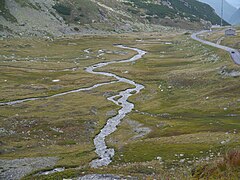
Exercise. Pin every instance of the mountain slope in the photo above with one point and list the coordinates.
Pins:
(57, 17)
(235, 19)
(228, 8)
(30, 17)
(191, 9)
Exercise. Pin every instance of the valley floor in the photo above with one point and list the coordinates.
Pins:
(187, 115)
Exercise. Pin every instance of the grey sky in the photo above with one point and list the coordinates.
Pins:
(235, 3)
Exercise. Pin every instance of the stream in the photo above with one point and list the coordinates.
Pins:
(105, 154)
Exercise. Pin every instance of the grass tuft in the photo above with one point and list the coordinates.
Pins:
(225, 167)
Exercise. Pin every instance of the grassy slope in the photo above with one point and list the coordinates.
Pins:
(23, 78)
(196, 124)
(181, 117)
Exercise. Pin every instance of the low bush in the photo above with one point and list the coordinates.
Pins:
(62, 9)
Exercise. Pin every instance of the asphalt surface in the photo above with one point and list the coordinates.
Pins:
(235, 54)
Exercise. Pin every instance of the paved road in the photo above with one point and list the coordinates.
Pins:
(235, 54)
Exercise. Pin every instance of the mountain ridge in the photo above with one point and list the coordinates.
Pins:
(58, 17)
(235, 19)
(216, 5)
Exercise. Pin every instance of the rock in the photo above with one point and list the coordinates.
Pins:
(111, 113)
(138, 129)
(55, 80)
(17, 168)
(101, 177)
(222, 142)
(52, 171)
(182, 160)
(165, 115)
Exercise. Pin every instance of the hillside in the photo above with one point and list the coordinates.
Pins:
(235, 19)
(57, 17)
(228, 8)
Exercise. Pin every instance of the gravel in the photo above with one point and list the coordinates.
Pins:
(105, 177)
(17, 168)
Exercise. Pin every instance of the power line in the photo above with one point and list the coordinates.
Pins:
(222, 14)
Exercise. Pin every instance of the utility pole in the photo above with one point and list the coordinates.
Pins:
(222, 14)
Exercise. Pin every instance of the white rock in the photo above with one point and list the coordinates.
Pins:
(55, 80)
(182, 161)
(223, 142)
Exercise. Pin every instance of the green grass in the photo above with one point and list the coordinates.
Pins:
(188, 105)
(193, 77)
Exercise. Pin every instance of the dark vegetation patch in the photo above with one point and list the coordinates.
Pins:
(5, 12)
(62, 9)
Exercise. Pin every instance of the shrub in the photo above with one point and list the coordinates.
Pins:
(222, 168)
(62, 9)
(76, 29)
(232, 158)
